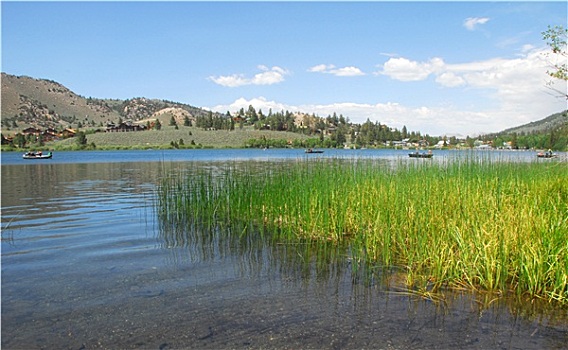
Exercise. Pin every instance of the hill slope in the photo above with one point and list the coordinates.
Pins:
(551, 122)
(44, 103)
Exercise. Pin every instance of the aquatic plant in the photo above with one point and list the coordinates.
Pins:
(477, 225)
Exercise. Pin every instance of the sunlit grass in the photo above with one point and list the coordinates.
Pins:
(192, 137)
(484, 226)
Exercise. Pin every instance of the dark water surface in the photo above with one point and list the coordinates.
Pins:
(86, 264)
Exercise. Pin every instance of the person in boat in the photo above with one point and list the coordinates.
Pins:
(549, 152)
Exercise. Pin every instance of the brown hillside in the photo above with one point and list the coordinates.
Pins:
(45, 103)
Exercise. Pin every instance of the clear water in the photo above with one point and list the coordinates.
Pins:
(86, 264)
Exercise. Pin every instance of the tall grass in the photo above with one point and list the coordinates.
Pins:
(485, 226)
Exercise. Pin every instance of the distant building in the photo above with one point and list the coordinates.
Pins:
(441, 144)
(68, 133)
(124, 127)
(31, 131)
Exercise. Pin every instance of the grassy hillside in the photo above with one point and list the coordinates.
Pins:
(163, 138)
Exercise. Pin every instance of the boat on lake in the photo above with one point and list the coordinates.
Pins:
(420, 155)
(37, 155)
(309, 150)
(546, 155)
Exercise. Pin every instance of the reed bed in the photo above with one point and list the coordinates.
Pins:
(482, 226)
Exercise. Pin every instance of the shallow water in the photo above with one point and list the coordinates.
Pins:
(86, 264)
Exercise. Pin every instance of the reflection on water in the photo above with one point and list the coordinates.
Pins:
(256, 254)
(86, 263)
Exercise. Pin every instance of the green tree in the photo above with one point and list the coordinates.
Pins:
(81, 140)
(251, 113)
(514, 141)
(39, 140)
(19, 140)
(158, 125)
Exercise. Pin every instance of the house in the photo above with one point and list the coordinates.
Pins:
(50, 134)
(67, 133)
(423, 143)
(124, 127)
(441, 144)
(31, 131)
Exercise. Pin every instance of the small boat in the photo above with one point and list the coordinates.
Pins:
(309, 150)
(547, 155)
(420, 155)
(37, 155)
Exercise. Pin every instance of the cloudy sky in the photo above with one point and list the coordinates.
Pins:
(443, 68)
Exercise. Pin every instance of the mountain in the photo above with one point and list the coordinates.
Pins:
(41, 103)
(45, 103)
(545, 125)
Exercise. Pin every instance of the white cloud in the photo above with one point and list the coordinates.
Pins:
(321, 68)
(267, 76)
(509, 79)
(434, 121)
(449, 79)
(230, 80)
(404, 69)
(349, 71)
(516, 86)
(471, 23)
(257, 102)
(514, 82)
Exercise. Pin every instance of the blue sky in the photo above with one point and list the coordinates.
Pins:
(455, 68)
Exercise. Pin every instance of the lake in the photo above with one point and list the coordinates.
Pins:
(86, 264)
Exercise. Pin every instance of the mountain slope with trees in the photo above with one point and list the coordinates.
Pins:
(40, 103)
(43, 104)
(548, 133)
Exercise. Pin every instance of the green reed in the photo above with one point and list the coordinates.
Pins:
(492, 226)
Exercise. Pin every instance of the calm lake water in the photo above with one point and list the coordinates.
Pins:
(86, 264)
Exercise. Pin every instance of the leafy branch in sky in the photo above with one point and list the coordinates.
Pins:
(556, 38)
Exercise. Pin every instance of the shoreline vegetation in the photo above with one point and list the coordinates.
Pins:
(473, 225)
(170, 138)
(195, 137)
(192, 137)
